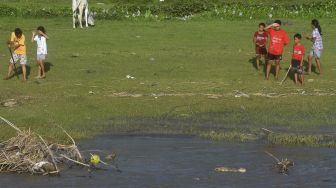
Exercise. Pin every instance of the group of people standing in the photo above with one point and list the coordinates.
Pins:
(277, 39)
(17, 44)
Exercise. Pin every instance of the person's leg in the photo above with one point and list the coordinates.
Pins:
(24, 72)
(296, 78)
(42, 69)
(310, 59)
(39, 68)
(318, 64)
(23, 61)
(302, 78)
(258, 57)
(268, 68)
(10, 69)
(277, 69)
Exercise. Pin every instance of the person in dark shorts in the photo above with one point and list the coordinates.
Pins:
(297, 59)
(260, 39)
(278, 39)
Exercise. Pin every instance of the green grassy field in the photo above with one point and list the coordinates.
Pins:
(111, 3)
(189, 79)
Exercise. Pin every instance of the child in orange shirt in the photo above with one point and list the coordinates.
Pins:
(17, 42)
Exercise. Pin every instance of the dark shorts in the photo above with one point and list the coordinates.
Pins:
(296, 66)
(261, 50)
(273, 57)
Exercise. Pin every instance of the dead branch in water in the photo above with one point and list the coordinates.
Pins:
(28, 152)
(282, 165)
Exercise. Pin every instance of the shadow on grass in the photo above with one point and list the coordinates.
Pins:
(47, 66)
(262, 64)
(18, 71)
(313, 68)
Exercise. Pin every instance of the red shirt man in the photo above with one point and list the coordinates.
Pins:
(278, 39)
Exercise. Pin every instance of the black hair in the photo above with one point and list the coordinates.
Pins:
(278, 22)
(262, 24)
(41, 28)
(18, 32)
(316, 24)
(297, 35)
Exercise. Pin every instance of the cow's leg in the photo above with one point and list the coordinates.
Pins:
(74, 20)
(86, 15)
(80, 15)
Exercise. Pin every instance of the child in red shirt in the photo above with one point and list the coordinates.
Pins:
(278, 39)
(297, 58)
(260, 40)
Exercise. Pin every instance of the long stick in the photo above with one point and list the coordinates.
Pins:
(289, 68)
(75, 161)
(50, 153)
(10, 124)
(15, 70)
(270, 154)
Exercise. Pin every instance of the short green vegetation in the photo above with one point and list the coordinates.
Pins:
(167, 77)
(175, 9)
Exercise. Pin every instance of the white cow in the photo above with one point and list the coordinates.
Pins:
(78, 7)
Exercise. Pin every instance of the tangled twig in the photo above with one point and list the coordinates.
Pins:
(28, 152)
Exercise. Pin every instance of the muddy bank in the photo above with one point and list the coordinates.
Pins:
(188, 162)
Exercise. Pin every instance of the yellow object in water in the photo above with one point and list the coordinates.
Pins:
(95, 159)
(226, 169)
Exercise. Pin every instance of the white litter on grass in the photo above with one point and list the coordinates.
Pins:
(91, 92)
(310, 80)
(133, 53)
(9, 103)
(100, 3)
(152, 59)
(138, 36)
(130, 77)
(241, 94)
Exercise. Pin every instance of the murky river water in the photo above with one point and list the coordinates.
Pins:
(189, 162)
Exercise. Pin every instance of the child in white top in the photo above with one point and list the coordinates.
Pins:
(40, 37)
(317, 48)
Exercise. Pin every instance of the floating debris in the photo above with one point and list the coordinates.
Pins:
(227, 169)
(282, 165)
(28, 152)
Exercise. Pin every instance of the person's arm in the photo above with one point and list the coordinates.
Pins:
(21, 42)
(33, 36)
(301, 63)
(254, 39)
(286, 39)
(311, 38)
(43, 34)
(271, 26)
